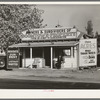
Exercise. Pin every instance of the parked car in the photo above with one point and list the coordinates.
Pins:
(2, 61)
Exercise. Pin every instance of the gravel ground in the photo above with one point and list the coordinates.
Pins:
(87, 75)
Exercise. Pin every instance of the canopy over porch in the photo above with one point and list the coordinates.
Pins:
(45, 44)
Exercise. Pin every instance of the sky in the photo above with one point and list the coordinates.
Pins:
(70, 15)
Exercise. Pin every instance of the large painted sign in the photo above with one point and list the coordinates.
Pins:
(56, 33)
(13, 58)
(88, 52)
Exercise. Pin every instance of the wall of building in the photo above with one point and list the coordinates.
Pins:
(71, 62)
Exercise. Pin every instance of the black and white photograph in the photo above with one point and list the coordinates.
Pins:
(49, 46)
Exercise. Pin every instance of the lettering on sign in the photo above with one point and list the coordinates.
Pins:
(88, 52)
(50, 33)
(13, 57)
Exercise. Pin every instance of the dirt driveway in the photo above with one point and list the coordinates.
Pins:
(89, 75)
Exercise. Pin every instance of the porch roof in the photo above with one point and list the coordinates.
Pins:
(45, 44)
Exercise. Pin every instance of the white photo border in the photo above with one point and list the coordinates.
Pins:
(48, 94)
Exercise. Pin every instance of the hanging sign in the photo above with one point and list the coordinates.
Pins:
(88, 52)
(13, 58)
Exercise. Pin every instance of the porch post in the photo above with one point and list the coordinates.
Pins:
(24, 61)
(71, 52)
(72, 56)
(51, 57)
(31, 55)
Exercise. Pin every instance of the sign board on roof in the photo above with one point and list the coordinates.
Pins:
(88, 52)
(56, 33)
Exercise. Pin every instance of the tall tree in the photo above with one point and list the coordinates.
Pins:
(96, 34)
(89, 28)
(16, 18)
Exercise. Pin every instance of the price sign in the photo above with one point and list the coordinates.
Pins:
(13, 57)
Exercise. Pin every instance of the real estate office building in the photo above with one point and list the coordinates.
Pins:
(49, 48)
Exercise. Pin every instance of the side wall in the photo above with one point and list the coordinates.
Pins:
(72, 62)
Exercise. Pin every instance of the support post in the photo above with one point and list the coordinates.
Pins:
(51, 57)
(31, 56)
(72, 57)
(71, 52)
(24, 62)
(30, 53)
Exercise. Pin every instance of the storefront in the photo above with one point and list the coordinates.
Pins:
(49, 48)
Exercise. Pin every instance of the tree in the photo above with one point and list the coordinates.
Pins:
(16, 18)
(89, 28)
(96, 34)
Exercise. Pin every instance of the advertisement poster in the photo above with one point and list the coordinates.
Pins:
(13, 58)
(88, 52)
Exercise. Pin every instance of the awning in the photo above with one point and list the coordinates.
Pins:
(45, 44)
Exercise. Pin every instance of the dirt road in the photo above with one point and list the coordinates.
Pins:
(90, 76)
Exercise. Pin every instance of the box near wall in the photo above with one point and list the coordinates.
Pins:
(38, 63)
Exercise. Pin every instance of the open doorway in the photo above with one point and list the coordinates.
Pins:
(61, 57)
(47, 56)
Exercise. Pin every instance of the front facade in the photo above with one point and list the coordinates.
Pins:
(49, 48)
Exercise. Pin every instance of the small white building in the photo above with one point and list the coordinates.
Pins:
(52, 47)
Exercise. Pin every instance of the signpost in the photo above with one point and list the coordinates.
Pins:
(13, 58)
(88, 52)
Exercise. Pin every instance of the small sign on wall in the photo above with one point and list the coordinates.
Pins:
(13, 58)
(88, 52)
